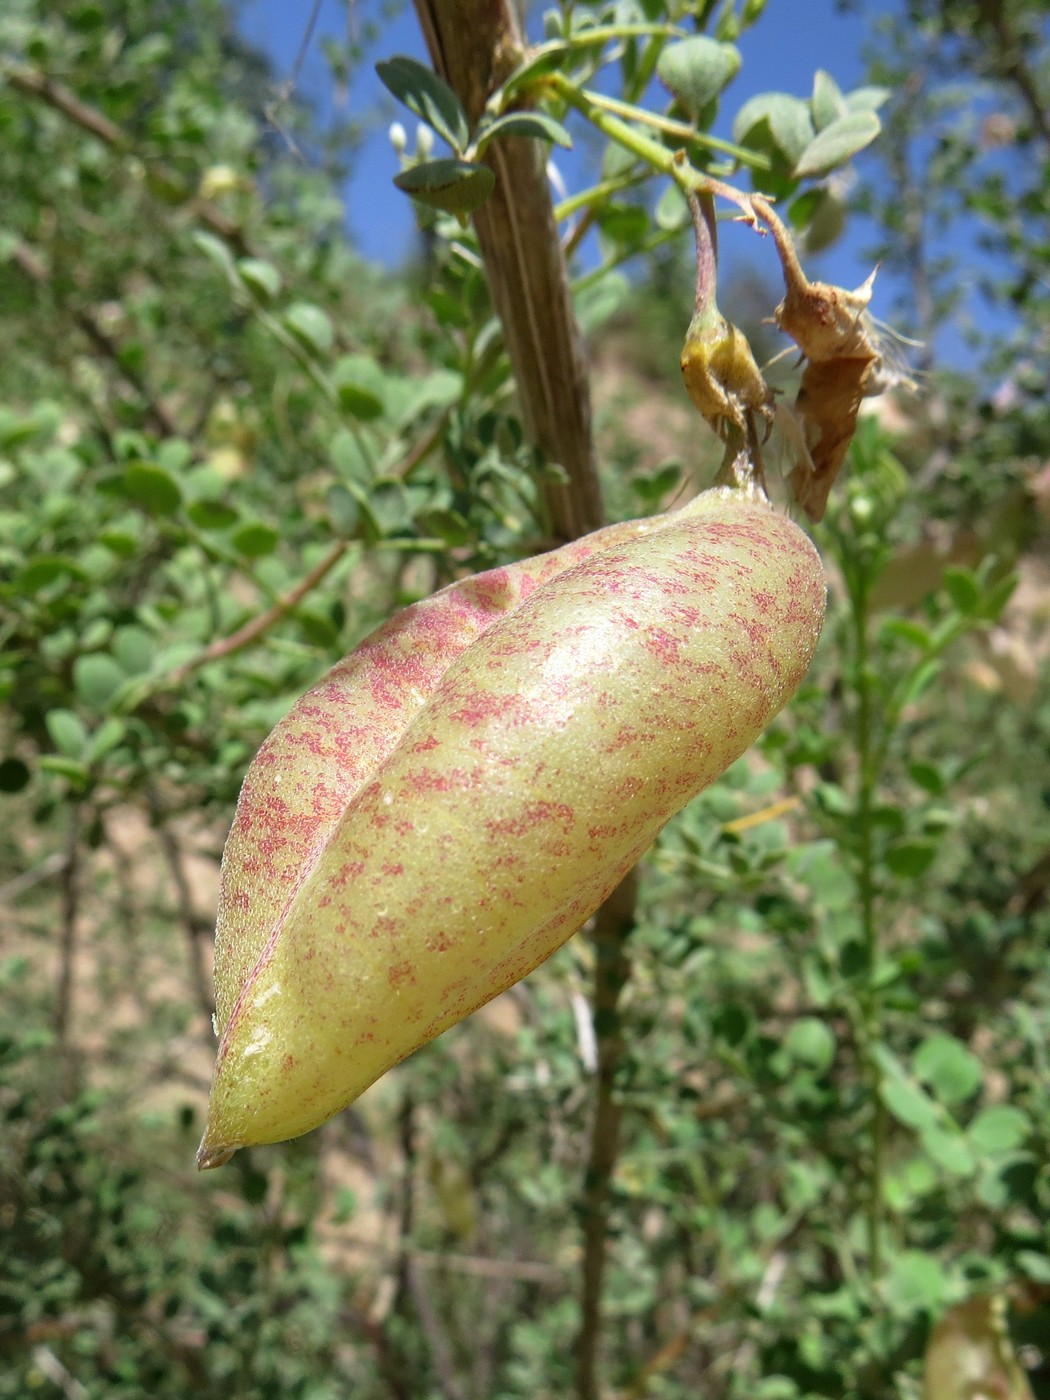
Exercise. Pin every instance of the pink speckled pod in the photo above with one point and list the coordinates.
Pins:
(458, 796)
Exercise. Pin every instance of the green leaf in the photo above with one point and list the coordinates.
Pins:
(388, 504)
(812, 1042)
(260, 277)
(76, 772)
(1002, 1128)
(951, 1070)
(311, 327)
(319, 631)
(211, 515)
(600, 300)
(535, 124)
(348, 457)
(1034, 1266)
(827, 103)
(997, 597)
(624, 224)
(950, 1150)
(867, 99)
(802, 209)
(134, 649)
(541, 60)
(152, 488)
(68, 732)
(14, 429)
(916, 1282)
(928, 777)
(919, 682)
(906, 1100)
(915, 1178)
(903, 629)
(120, 542)
(456, 186)
(343, 510)
(429, 96)
(787, 120)
(174, 455)
(447, 525)
(216, 251)
(671, 210)
(653, 488)
(820, 215)
(106, 737)
(838, 143)
(697, 70)
(97, 678)
(448, 309)
(254, 540)
(910, 859)
(439, 389)
(360, 403)
(356, 398)
(963, 589)
(43, 569)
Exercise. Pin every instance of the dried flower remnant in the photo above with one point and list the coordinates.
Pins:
(720, 373)
(970, 1354)
(846, 361)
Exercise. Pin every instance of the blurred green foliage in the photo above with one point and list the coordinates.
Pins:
(228, 448)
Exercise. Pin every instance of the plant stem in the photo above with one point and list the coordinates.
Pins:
(871, 1002)
(70, 896)
(257, 626)
(474, 45)
(702, 209)
(193, 926)
(682, 130)
(612, 970)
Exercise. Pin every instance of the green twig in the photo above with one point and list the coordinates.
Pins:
(667, 162)
(682, 130)
(595, 194)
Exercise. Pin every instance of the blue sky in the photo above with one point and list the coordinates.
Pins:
(781, 52)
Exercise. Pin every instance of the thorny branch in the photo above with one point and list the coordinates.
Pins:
(1008, 60)
(33, 266)
(69, 887)
(61, 99)
(193, 926)
(410, 1281)
(257, 627)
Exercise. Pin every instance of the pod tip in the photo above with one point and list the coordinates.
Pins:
(213, 1155)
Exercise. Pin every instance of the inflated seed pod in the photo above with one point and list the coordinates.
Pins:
(459, 795)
